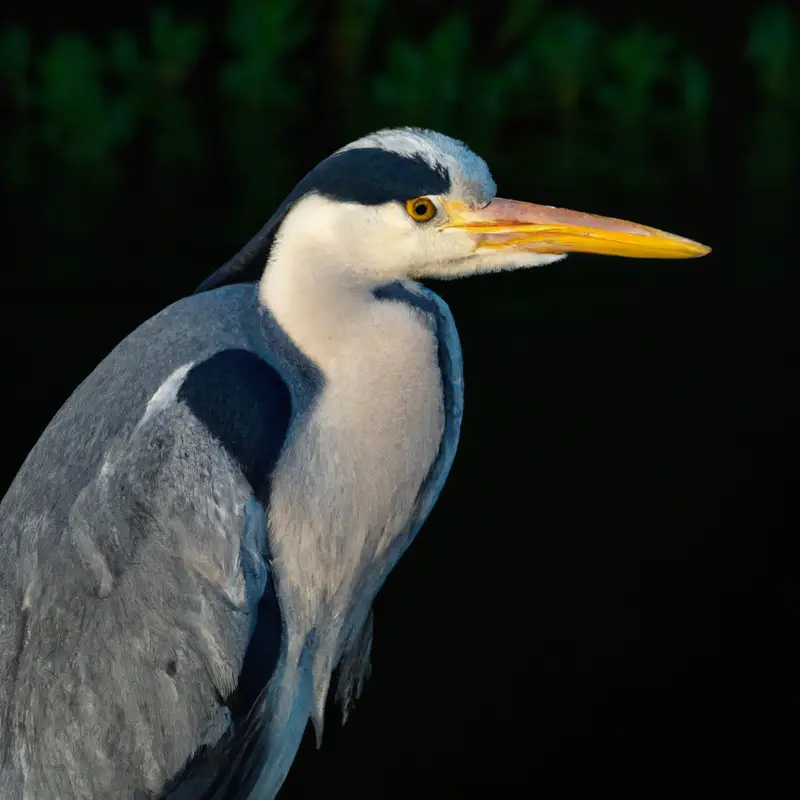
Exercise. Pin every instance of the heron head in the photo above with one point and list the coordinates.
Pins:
(411, 203)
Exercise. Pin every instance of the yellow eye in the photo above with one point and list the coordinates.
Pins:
(421, 210)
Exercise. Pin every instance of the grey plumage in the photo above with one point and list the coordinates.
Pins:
(134, 554)
(194, 544)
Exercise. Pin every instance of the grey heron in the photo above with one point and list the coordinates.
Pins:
(193, 546)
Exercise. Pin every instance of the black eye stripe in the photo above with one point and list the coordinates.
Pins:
(372, 176)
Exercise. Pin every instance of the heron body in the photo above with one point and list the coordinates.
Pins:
(193, 546)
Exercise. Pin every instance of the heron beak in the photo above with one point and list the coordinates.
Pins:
(514, 225)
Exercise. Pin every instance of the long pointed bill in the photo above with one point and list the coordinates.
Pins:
(510, 224)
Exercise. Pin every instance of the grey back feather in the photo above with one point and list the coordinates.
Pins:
(132, 562)
(129, 573)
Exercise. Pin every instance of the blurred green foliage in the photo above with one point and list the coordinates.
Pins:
(773, 155)
(280, 81)
(82, 122)
(638, 61)
(565, 50)
(773, 49)
(152, 78)
(428, 82)
(263, 35)
(15, 67)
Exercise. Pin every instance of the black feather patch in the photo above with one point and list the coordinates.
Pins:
(371, 176)
(246, 406)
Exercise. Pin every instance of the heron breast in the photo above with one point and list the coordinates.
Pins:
(347, 483)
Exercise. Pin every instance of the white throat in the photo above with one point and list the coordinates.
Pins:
(319, 299)
(318, 310)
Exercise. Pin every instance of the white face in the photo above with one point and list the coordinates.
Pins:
(386, 242)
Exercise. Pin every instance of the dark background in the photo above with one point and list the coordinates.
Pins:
(588, 602)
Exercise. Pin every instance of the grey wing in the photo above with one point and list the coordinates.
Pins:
(150, 626)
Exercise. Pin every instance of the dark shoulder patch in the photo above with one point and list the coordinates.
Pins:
(244, 403)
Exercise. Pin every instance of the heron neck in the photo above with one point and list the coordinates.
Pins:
(318, 306)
